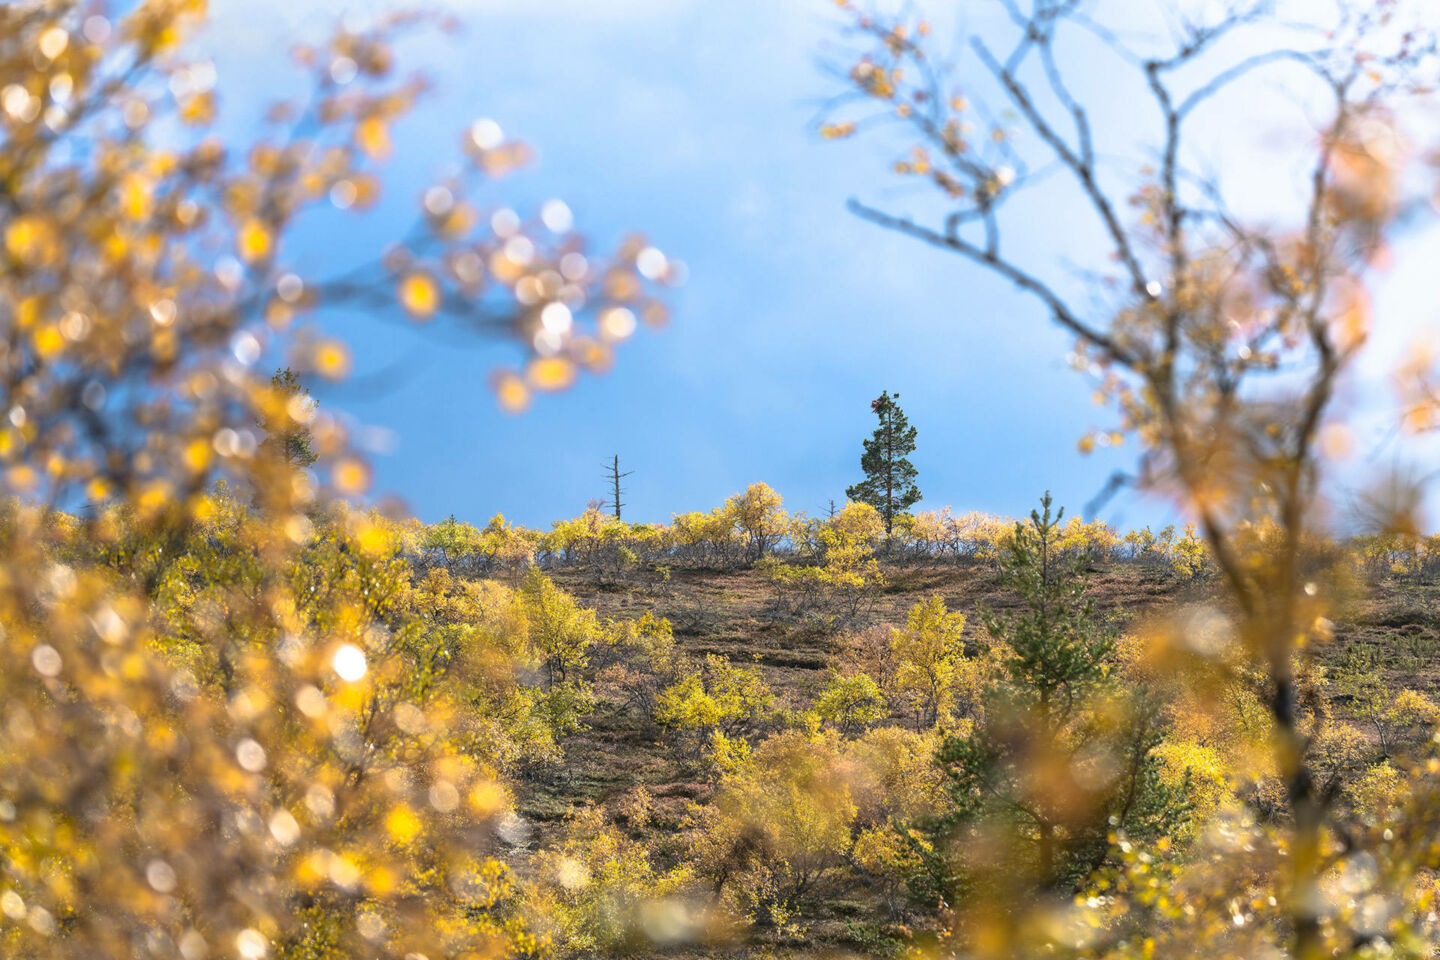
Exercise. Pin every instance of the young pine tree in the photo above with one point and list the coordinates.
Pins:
(1061, 756)
(889, 484)
(284, 433)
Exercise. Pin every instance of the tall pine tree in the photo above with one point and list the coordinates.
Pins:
(889, 484)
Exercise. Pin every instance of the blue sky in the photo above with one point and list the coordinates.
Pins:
(690, 122)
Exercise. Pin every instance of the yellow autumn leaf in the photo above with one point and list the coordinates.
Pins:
(49, 341)
(254, 241)
(420, 295)
(373, 137)
(487, 799)
(551, 373)
(332, 360)
(27, 314)
(30, 240)
(372, 539)
(351, 476)
(135, 192)
(197, 455)
(512, 393)
(402, 824)
(1419, 418)
(381, 881)
(592, 354)
(199, 109)
(22, 477)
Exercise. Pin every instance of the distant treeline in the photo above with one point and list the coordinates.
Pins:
(754, 526)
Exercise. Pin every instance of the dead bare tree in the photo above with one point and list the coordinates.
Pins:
(1220, 342)
(613, 474)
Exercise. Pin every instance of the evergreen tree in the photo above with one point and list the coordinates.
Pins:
(889, 484)
(1061, 757)
(283, 433)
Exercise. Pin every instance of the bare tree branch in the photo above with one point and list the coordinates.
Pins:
(1025, 281)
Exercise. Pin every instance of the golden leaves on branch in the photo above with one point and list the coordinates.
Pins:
(215, 661)
(1368, 155)
(562, 287)
(897, 79)
(491, 151)
(1417, 381)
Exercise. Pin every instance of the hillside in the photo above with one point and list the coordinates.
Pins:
(733, 614)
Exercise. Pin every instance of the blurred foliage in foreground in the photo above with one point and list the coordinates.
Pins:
(232, 724)
(243, 718)
(1220, 340)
